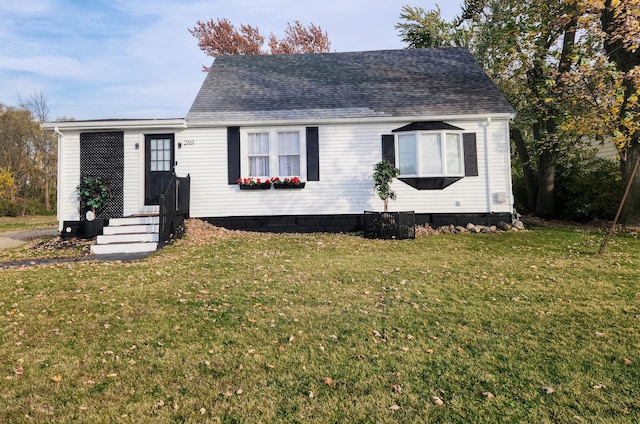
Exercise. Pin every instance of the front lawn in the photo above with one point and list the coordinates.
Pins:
(20, 223)
(240, 327)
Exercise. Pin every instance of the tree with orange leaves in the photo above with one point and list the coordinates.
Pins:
(221, 37)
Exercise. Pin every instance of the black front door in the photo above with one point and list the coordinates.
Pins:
(159, 161)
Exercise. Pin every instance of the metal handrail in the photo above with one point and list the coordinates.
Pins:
(174, 209)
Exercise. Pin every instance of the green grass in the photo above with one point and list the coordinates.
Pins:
(248, 327)
(8, 224)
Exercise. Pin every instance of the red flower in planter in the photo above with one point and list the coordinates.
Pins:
(252, 182)
(293, 181)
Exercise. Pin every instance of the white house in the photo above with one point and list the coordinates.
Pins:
(325, 118)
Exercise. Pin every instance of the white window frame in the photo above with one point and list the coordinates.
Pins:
(421, 135)
(273, 152)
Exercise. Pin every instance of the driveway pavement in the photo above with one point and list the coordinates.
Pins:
(16, 238)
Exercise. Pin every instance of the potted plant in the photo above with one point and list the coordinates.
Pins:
(94, 193)
(254, 184)
(285, 183)
(387, 225)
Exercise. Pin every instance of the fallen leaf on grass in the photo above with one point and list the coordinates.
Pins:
(438, 401)
(488, 395)
(56, 378)
(203, 411)
(239, 391)
(394, 407)
(598, 386)
(548, 390)
(404, 349)
(429, 351)
(328, 381)
(627, 361)
(396, 388)
(18, 370)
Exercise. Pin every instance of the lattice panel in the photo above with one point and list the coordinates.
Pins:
(102, 155)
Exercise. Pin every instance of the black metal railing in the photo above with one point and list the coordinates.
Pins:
(174, 209)
(390, 225)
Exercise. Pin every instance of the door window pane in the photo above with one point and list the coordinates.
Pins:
(160, 154)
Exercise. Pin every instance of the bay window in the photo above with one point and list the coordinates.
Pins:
(433, 153)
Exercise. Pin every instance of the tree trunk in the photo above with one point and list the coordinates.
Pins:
(630, 214)
(625, 60)
(546, 199)
(530, 183)
(47, 195)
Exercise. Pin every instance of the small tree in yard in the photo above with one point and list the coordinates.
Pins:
(383, 175)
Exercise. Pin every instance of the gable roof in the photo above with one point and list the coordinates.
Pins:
(384, 83)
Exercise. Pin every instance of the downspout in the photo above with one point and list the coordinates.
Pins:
(511, 199)
(487, 163)
(58, 190)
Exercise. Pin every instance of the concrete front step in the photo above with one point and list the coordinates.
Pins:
(127, 238)
(130, 229)
(107, 249)
(136, 220)
(136, 234)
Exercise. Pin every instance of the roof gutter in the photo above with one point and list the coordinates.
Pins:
(116, 124)
(329, 121)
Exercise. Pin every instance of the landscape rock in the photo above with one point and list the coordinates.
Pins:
(518, 225)
(503, 226)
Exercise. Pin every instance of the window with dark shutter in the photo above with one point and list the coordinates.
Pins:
(470, 155)
(313, 154)
(233, 154)
(389, 148)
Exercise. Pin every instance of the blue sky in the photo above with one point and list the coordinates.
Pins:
(100, 59)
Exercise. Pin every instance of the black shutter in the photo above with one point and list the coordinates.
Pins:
(470, 155)
(313, 154)
(389, 148)
(233, 154)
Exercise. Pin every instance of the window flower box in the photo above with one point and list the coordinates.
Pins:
(254, 184)
(287, 183)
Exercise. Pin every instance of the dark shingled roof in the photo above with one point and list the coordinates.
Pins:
(389, 83)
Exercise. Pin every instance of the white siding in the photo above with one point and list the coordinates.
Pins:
(133, 187)
(347, 156)
(69, 178)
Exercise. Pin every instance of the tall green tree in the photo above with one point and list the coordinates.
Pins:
(528, 48)
(420, 29)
